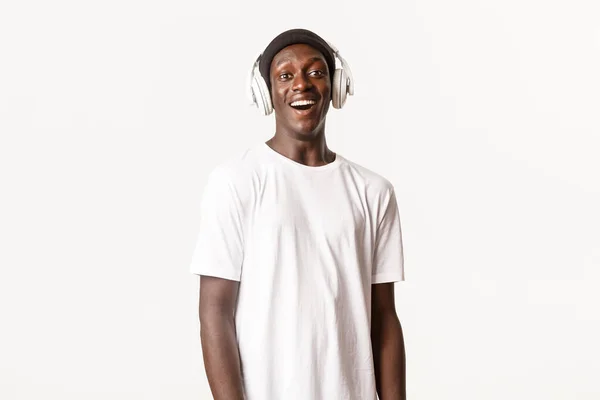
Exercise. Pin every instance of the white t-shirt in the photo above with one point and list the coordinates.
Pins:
(306, 244)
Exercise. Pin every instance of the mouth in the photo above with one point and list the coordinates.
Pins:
(302, 105)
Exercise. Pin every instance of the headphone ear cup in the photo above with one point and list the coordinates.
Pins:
(262, 95)
(339, 90)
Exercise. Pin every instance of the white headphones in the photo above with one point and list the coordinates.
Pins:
(341, 87)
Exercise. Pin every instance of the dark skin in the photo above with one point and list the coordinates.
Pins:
(217, 333)
(387, 340)
(298, 72)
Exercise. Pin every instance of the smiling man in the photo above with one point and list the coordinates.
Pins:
(298, 251)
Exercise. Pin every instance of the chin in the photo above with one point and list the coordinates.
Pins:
(308, 130)
(308, 126)
(301, 128)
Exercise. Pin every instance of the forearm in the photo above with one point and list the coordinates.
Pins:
(221, 357)
(389, 357)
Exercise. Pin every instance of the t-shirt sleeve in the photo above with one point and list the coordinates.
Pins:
(388, 257)
(219, 245)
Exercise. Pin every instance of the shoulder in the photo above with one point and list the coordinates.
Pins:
(236, 168)
(378, 190)
(373, 182)
(236, 174)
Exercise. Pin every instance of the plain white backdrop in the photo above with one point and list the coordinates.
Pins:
(483, 114)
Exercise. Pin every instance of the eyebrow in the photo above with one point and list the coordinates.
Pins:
(310, 60)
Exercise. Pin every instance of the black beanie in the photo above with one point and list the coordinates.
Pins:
(288, 38)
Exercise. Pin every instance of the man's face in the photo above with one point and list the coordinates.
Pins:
(301, 90)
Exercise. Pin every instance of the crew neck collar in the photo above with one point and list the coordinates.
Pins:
(335, 163)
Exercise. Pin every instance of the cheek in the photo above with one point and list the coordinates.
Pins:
(277, 96)
(326, 91)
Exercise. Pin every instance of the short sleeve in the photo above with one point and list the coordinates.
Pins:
(388, 257)
(219, 245)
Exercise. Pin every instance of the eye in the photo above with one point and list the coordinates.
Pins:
(318, 73)
(284, 76)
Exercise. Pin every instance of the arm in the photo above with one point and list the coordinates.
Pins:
(217, 332)
(388, 344)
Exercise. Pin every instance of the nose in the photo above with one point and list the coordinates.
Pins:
(301, 83)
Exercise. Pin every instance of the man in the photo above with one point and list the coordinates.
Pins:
(298, 251)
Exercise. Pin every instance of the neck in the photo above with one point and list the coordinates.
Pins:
(313, 152)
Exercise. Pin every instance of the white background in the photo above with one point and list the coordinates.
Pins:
(483, 114)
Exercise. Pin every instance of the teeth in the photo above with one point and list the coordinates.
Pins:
(302, 103)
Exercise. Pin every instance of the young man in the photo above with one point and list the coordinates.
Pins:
(297, 252)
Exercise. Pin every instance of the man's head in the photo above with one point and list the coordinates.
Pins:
(298, 67)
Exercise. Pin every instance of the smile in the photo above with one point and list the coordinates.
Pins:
(303, 104)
